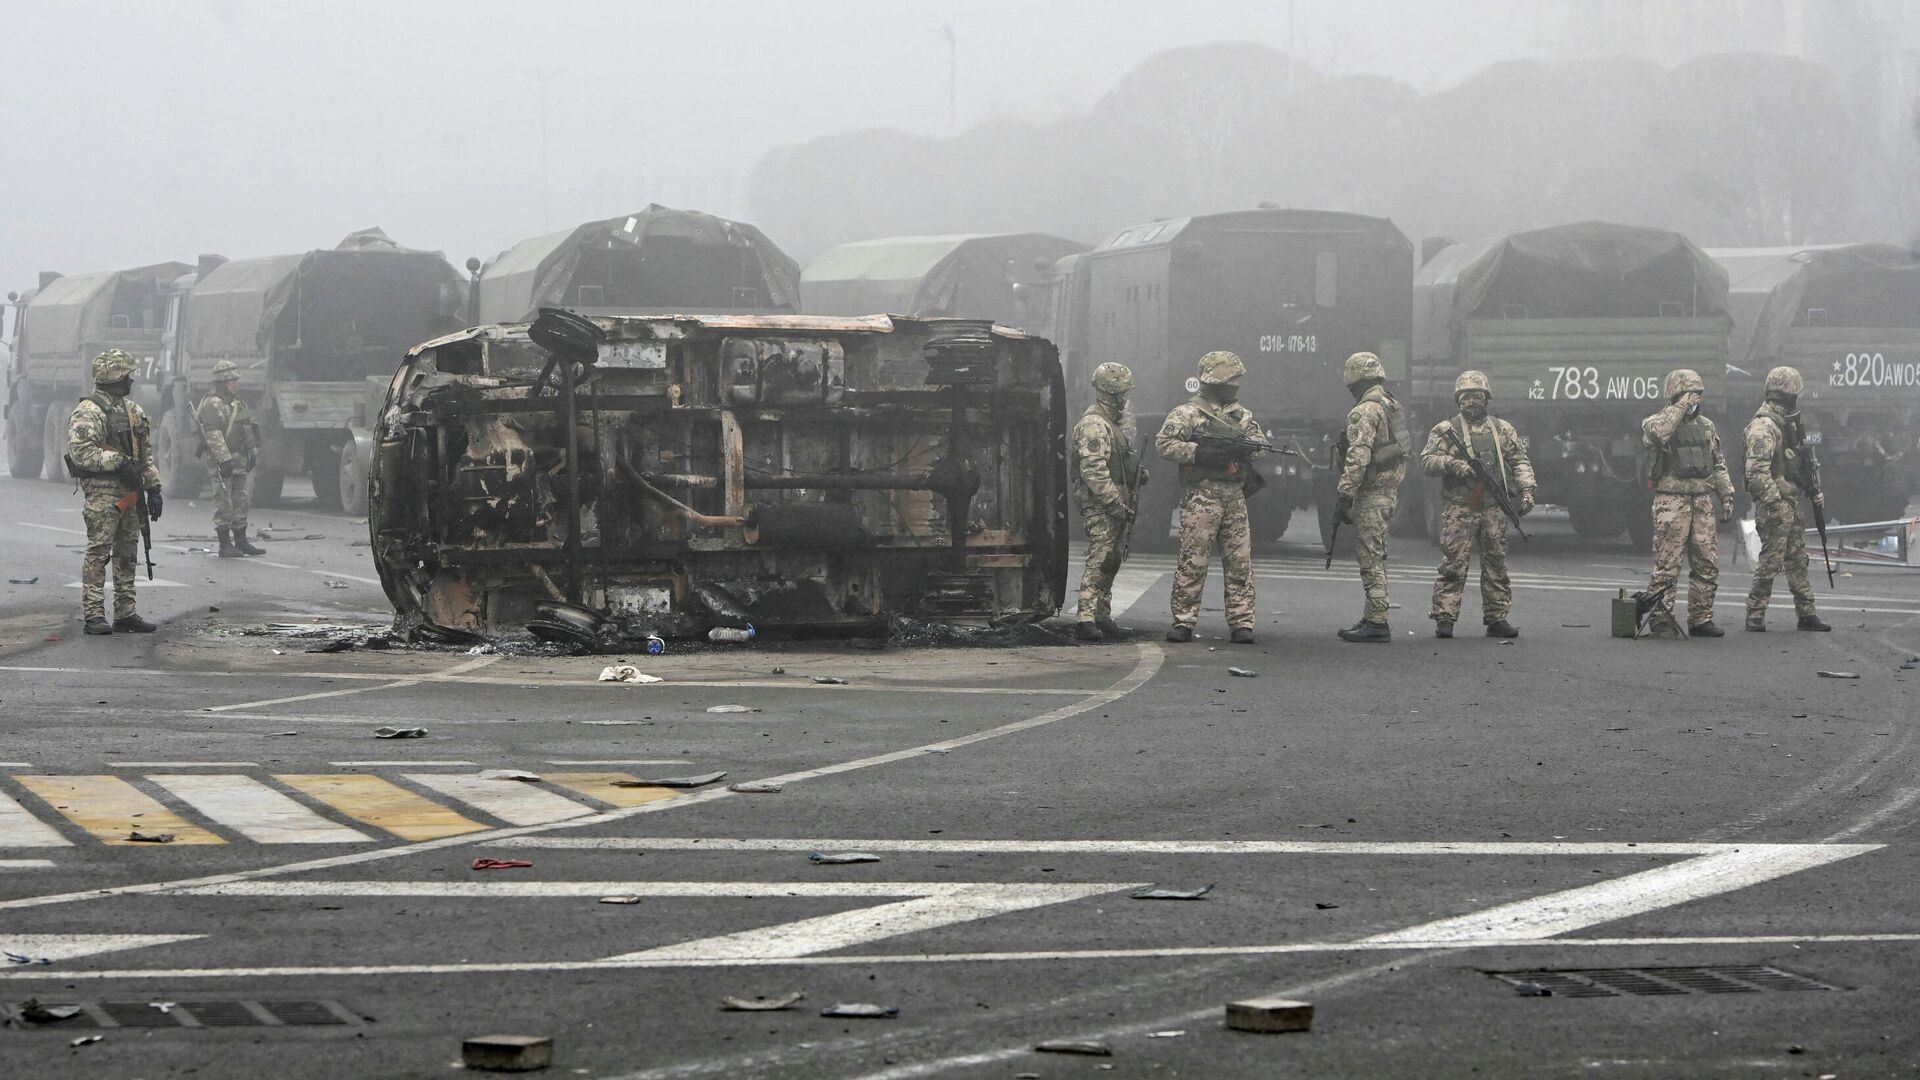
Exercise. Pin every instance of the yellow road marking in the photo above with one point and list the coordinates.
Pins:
(599, 785)
(110, 808)
(382, 804)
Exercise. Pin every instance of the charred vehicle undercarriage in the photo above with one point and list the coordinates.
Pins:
(611, 477)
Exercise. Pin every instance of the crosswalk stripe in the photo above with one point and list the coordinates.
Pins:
(599, 785)
(382, 804)
(19, 828)
(255, 810)
(512, 801)
(110, 808)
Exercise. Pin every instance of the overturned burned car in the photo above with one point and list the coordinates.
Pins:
(602, 478)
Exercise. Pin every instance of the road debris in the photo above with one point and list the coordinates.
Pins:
(510, 774)
(150, 838)
(399, 733)
(1088, 1049)
(1323, 906)
(626, 673)
(862, 1011)
(32, 1011)
(1269, 1015)
(701, 780)
(165, 1007)
(332, 584)
(841, 857)
(829, 680)
(34, 580)
(19, 958)
(628, 900)
(501, 864)
(1172, 894)
(280, 734)
(1174, 1034)
(731, 708)
(731, 634)
(337, 645)
(756, 787)
(1837, 675)
(762, 1003)
(1532, 989)
(1243, 673)
(85, 1040)
(507, 1053)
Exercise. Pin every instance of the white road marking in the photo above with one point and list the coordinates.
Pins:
(74, 946)
(404, 681)
(319, 573)
(156, 583)
(16, 764)
(255, 810)
(412, 764)
(19, 828)
(1152, 847)
(51, 528)
(26, 864)
(745, 890)
(182, 764)
(1649, 890)
(617, 761)
(515, 802)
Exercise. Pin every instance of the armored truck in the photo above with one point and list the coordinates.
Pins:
(967, 276)
(1576, 326)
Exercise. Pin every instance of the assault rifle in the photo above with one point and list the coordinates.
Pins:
(1810, 473)
(1245, 444)
(1488, 482)
(1645, 602)
(1118, 556)
(138, 496)
(1336, 461)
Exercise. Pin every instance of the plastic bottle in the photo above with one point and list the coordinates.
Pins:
(656, 645)
(728, 633)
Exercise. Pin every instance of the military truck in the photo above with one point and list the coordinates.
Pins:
(991, 276)
(306, 331)
(58, 328)
(1293, 292)
(1847, 316)
(1576, 326)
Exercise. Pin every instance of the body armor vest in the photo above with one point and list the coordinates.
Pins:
(119, 434)
(1788, 464)
(1395, 444)
(1691, 453)
(1123, 464)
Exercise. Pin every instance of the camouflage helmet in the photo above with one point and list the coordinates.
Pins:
(1684, 380)
(1220, 366)
(1111, 378)
(1785, 380)
(1362, 366)
(224, 370)
(1472, 380)
(112, 366)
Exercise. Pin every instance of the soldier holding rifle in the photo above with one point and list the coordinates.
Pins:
(1486, 481)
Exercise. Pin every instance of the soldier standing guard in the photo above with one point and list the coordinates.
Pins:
(1776, 476)
(1214, 483)
(1374, 462)
(110, 452)
(1687, 470)
(231, 440)
(1471, 514)
(1106, 476)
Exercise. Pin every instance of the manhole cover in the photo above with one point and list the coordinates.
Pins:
(160, 1013)
(1660, 981)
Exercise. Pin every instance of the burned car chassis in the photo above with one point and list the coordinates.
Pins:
(668, 474)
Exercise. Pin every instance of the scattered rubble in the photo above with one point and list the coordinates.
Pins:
(1062, 1046)
(731, 708)
(501, 864)
(1243, 673)
(862, 1011)
(762, 1003)
(626, 673)
(756, 787)
(625, 900)
(1172, 894)
(510, 774)
(1837, 675)
(701, 780)
(842, 857)
(399, 733)
(150, 838)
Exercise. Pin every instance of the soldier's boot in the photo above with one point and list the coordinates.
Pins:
(1705, 629)
(1501, 628)
(1757, 622)
(1111, 630)
(1367, 631)
(97, 625)
(227, 550)
(241, 545)
(1443, 628)
(133, 624)
(1178, 633)
(1811, 622)
(1087, 631)
(1242, 635)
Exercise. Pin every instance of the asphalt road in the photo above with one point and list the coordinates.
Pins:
(1382, 826)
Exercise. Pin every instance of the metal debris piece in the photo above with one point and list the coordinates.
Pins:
(629, 900)
(1837, 675)
(830, 680)
(399, 733)
(869, 1012)
(1062, 1046)
(731, 708)
(507, 1053)
(34, 580)
(150, 838)
(626, 673)
(32, 1011)
(509, 774)
(1172, 894)
(1321, 905)
(839, 857)
(85, 1040)
(1243, 673)
(672, 781)
(756, 787)
(1269, 1015)
(501, 864)
(762, 1004)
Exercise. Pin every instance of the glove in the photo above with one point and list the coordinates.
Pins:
(1459, 470)
(1208, 455)
(1526, 503)
(1343, 509)
(227, 468)
(1726, 510)
(153, 504)
(1144, 477)
(130, 472)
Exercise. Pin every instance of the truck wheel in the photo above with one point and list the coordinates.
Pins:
(1410, 519)
(53, 442)
(354, 476)
(1639, 527)
(180, 474)
(1601, 522)
(1430, 514)
(267, 485)
(326, 478)
(24, 449)
(1268, 518)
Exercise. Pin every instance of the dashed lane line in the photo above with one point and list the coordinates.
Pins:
(1146, 847)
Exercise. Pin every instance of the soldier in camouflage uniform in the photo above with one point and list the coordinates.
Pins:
(1776, 477)
(110, 453)
(1688, 473)
(1214, 483)
(1471, 515)
(230, 439)
(1106, 476)
(1376, 448)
